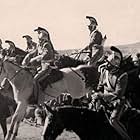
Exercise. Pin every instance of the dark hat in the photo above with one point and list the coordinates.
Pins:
(41, 29)
(27, 37)
(115, 49)
(92, 20)
(9, 42)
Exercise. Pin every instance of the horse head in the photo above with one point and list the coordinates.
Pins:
(66, 61)
(127, 63)
(87, 124)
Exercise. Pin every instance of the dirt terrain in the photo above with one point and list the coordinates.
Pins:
(28, 132)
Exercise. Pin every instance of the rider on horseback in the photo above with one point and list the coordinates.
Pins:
(44, 49)
(46, 54)
(31, 45)
(95, 46)
(112, 87)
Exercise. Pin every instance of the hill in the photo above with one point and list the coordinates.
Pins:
(130, 48)
(126, 49)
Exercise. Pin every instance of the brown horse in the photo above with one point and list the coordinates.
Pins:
(76, 81)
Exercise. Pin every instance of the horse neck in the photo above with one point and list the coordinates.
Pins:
(9, 69)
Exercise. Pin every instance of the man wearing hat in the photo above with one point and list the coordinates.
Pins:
(45, 54)
(112, 88)
(95, 45)
(44, 47)
(31, 45)
(45, 42)
(10, 53)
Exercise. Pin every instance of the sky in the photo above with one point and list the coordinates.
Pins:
(65, 20)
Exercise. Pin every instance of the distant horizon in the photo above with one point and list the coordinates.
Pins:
(134, 43)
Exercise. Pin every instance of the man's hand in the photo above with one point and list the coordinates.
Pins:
(95, 103)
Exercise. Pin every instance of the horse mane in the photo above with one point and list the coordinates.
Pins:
(11, 62)
(19, 66)
(16, 51)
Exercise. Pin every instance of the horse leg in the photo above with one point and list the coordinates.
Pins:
(15, 132)
(45, 128)
(10, 131)
(3, 126)
(17, 117)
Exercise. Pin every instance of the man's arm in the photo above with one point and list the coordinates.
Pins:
(37, 58)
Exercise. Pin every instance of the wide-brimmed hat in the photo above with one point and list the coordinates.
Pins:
(10, 42)
(41, 30)
(44, 34)
(27, 37)
(117, 54)
(92, 20)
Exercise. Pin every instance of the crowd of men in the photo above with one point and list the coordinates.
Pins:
(113, 81)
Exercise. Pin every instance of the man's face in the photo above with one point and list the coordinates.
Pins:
(114, 60)
(43, 37)
(92, 26)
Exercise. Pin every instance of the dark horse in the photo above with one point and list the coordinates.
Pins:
(7, 108)
(88, 124)
(133, 88)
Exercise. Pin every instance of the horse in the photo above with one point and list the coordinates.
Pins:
(76, 81)
(87, 124)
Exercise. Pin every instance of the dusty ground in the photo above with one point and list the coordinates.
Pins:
(27, 132)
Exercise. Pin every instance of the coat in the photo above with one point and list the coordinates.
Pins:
(113, 85)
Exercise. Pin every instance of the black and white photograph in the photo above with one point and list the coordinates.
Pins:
(70, 70)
